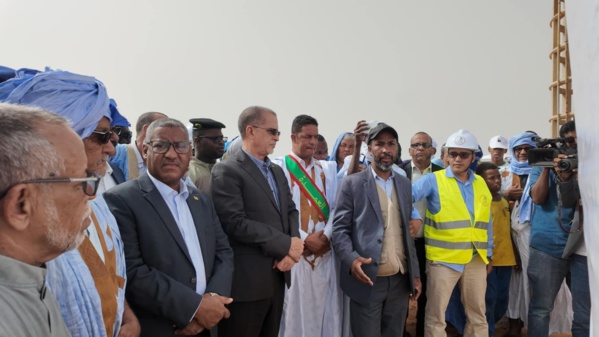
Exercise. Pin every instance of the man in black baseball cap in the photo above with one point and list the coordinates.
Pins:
(209, 145)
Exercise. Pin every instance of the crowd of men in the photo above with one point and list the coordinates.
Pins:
(187, 233)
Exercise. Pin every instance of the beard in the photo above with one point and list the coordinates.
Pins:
(57, 235)
(384, 167)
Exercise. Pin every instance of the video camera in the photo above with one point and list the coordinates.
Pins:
(548, 149)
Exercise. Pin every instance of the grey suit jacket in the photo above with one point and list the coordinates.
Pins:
(358, 230)
(259, 231)
(161, 285)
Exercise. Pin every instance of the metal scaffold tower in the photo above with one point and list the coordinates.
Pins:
(561, 85)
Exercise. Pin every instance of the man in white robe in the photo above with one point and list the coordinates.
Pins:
(313, 303)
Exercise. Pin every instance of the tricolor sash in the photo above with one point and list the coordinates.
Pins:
(307, 186)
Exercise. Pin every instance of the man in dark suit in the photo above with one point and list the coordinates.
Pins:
(421, 150)
(371, 237)
(179, 262)
(254, 203)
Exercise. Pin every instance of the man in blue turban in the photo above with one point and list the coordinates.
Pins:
(89, 282)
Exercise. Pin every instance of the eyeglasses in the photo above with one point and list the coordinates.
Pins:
(570, 140)
(424, 145)
(117, 130)
(522, 148)
(125, 137)
(89, 184)
(162, 146)
(272, 131)
(103, 137)
(463, 155)
(216, 139)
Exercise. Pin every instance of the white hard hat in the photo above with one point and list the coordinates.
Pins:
(462, 139)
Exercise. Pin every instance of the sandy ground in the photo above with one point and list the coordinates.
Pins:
(500, 328)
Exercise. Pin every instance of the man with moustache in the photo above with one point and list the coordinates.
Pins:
(257, 212)
(458, 236)
(89, 283)
(371, 238)
(209, 145)
(313, 302)
(421, 151)
(180, 266)
(43, 212)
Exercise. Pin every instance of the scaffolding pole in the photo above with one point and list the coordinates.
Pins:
(561, 85)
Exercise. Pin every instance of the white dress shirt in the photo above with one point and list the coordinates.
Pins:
(177, 204)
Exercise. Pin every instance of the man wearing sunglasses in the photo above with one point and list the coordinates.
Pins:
(458, 236)
(254, 203)
(89, 282)
(43, 213)
(208, 145)
(179, 261)
(421, 151)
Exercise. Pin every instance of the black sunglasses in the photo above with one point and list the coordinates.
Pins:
(89, 184)
(463, 155)
(570, 140)
(102, 137)
(272, 131)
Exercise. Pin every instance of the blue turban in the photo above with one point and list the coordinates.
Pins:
(81, 99)
(6, 73)
(10, 79)
(524, 138)
(117, 118)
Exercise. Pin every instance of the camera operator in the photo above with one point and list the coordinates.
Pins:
(552, 224)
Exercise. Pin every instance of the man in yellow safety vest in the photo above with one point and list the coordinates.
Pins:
(458, 236)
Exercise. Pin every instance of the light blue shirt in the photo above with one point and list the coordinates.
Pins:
(177, 204)
(426, 187)
(387, 186)
(265, 167)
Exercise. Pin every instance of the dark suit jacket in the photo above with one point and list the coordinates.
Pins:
(161, 279)
(358, 230)
(407, 166)
(259, 232)
(117, 174)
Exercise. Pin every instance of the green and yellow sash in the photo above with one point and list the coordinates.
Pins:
(307, 186)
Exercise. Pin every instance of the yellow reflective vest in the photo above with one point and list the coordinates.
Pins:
(451, 235)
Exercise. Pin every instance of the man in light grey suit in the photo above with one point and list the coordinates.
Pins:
(371, 237)
(179, 262)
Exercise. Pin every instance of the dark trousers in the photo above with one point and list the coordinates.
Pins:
(384, 314)
(421, 254)
(260, 318)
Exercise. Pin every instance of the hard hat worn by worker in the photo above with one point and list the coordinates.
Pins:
(462, 139)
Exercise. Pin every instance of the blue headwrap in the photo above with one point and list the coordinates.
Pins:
(80, 99)
(117, 118)
(333, 153)
(524, 138)
(10, 79)
(477, 156)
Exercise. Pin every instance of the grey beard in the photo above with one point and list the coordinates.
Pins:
(384, 168)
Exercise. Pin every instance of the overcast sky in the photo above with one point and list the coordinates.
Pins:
(435, 66)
